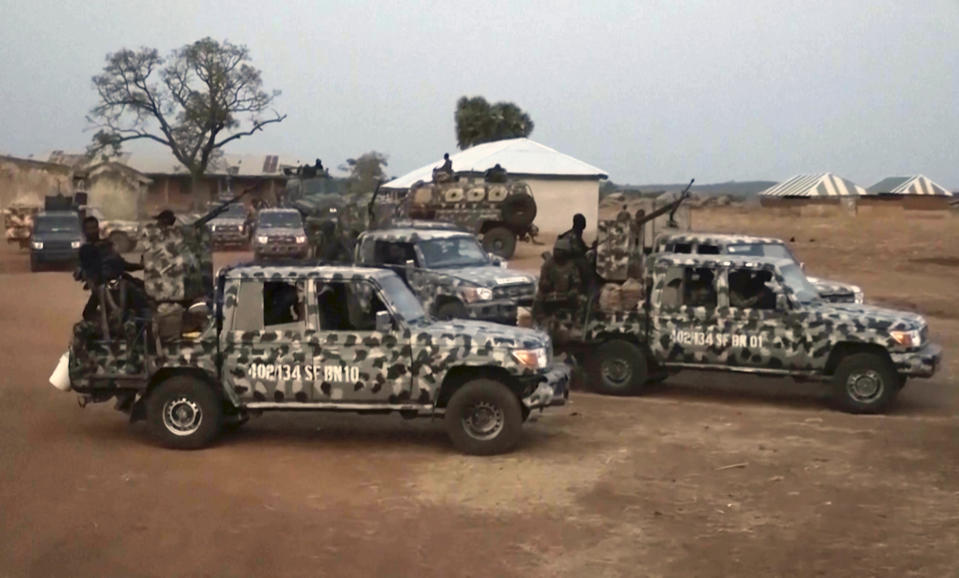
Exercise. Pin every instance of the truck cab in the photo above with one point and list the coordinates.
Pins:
(55, 239)
(449, 271)
(279, 233)
(725, 244)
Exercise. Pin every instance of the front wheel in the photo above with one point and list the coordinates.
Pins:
(500, 241)
(184, 413)
(865, 383)
(618, 367)
(484, 418)
(451, 310)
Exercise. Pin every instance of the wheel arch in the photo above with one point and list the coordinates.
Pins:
(165, 373)
(456, 377)
(844, 349)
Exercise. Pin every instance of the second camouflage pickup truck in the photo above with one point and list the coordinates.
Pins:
(737, 313)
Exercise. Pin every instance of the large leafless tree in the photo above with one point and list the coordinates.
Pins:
(200, 98)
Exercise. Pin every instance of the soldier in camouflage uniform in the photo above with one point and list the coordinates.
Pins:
(561, 285)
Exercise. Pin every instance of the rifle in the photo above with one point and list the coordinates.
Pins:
(217, 211)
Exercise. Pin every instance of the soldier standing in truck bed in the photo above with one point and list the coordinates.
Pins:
(496, 174)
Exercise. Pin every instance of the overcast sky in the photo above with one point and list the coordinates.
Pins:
(648, 90)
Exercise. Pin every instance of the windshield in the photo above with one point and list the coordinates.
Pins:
(233, 212)
(796, 280)
(453, 252)
(283, 220)
(776, 250)
(403, 300)
(64, 224)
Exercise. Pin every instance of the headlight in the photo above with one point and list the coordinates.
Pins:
(473, 294)
(262, 239)
(908, 339)
(300, 239)
(332, 209)
(75, 244)
(212, 228)
(37, 245)
(532, 358)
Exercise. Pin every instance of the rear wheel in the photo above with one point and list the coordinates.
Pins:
(865, 383)
(184, 413)
(618, 367)
(500, 241)
(484, 417)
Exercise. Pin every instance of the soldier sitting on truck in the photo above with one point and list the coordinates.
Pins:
(561, 286)
(444, 173)
(496, 174)
(99, 263)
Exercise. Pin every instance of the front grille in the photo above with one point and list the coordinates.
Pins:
(56, 245)
(281, 240)
(520, 291)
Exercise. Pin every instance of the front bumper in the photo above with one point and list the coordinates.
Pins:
(56, 256)
(282, 250)
(920, 363)
(550, 388)
(500, 311)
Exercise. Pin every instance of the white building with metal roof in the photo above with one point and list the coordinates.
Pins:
(914, 185)
(562, 185)
(818, 186)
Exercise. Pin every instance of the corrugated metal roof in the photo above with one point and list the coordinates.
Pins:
(520, 156)
(164, 163)
(915, 185)
(821, 185)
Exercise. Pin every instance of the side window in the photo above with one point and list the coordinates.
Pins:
(699, 287)
(672, 289)
(248, 313)
(284, 306)
(749, 289)
(393, 253)
(682, 248)
(348, 306)
(708, 249)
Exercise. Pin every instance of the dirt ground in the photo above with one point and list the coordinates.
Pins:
(706, 476)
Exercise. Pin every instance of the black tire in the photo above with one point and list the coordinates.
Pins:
(451, 310)
(121, 242)
(184, 413)
(618, 367)
(500, 241)
(518, 210)
(484, 418)
(865, 383)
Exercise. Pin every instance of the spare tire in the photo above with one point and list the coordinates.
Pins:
(518, 211)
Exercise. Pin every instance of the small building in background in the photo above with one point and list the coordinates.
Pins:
(816, 194)
(562, 185)
(916, 192)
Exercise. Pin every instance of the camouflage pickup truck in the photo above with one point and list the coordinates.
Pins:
(448, 271)
(304, 337)
(739, 313)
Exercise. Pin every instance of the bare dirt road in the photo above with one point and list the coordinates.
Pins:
(706, 476)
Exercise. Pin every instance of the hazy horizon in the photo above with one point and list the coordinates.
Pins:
(651, 92)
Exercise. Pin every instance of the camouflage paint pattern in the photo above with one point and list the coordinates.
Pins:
(177, 262)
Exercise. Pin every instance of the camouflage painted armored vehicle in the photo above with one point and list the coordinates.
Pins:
(724, 244)
(739, 313)
(279, 233)
(499, 213)
(448, 271)
(305, 337)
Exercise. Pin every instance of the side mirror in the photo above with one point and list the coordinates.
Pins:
(384, 321)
